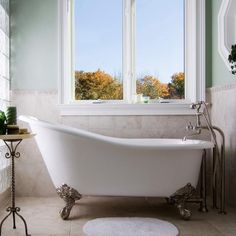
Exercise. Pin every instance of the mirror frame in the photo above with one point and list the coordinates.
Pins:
(226, 37)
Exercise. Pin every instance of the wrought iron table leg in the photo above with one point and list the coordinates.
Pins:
(3, 222)
(14, 220)
(26, 229)
(13, 209)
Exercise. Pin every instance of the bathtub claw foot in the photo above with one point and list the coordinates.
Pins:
(69, 195)
(203, 209)
(184, 213)
(180, 197)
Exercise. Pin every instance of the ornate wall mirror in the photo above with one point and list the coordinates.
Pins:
(226, 28)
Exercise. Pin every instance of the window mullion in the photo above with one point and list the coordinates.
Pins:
(72, 46)
(65, 51)
(190, 50)
(128, 49)
(133, 47)
(125, 61)
(195, 50)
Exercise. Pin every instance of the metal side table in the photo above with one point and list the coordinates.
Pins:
(12, 142)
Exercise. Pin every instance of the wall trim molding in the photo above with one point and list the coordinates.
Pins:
(34, 91)
(220, 88)
(4, 198)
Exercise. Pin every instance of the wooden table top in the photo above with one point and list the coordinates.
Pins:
(9, 137)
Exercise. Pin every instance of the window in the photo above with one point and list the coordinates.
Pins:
(4, 54)
(97, 50)
(4, 87)
(114, 50)
(159, 48)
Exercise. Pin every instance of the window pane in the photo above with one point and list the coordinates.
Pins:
(160, 48)
(4, 55)
(98, 49)
(4, 21)
(4, 85)
(4, 44)
(4, 66)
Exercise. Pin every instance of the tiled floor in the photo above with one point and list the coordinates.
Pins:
(43, 219)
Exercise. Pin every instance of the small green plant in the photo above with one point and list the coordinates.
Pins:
(232, 59)
(2, 123)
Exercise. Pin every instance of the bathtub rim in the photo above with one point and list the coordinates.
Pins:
(143, 143)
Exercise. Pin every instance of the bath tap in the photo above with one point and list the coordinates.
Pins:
(197, 128)
(218, 151)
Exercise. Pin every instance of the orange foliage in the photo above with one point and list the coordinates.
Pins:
(152, 87)
(97, 85)
(100, 85)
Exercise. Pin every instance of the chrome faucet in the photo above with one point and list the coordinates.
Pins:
(218, 152)
(197, 128)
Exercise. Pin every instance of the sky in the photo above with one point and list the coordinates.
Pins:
(159, 37)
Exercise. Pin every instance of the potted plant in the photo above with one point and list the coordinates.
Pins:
(2, 123)
(232, 59)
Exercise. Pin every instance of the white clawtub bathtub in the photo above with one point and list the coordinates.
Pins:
(100, 165)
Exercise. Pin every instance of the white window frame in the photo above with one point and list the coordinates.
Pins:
(5, 55)
(194, 67)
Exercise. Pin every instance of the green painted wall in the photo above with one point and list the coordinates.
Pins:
(220, 74)
(34, 27)
(34, 44)
(208, 43)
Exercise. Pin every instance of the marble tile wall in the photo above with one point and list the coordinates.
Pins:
(32, 176)
(223, 113)
(4, 197)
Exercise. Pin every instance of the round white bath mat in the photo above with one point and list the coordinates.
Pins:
(129, 226)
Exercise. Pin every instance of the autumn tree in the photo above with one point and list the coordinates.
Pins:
(97, 85)
(152, 87)
(101, 85)
(176, 86)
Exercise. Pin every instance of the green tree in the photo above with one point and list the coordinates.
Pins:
(176, 86)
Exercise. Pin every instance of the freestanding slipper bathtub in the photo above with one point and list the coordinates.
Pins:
(97, 165)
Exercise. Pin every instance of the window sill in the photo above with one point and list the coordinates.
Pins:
(105, 109)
